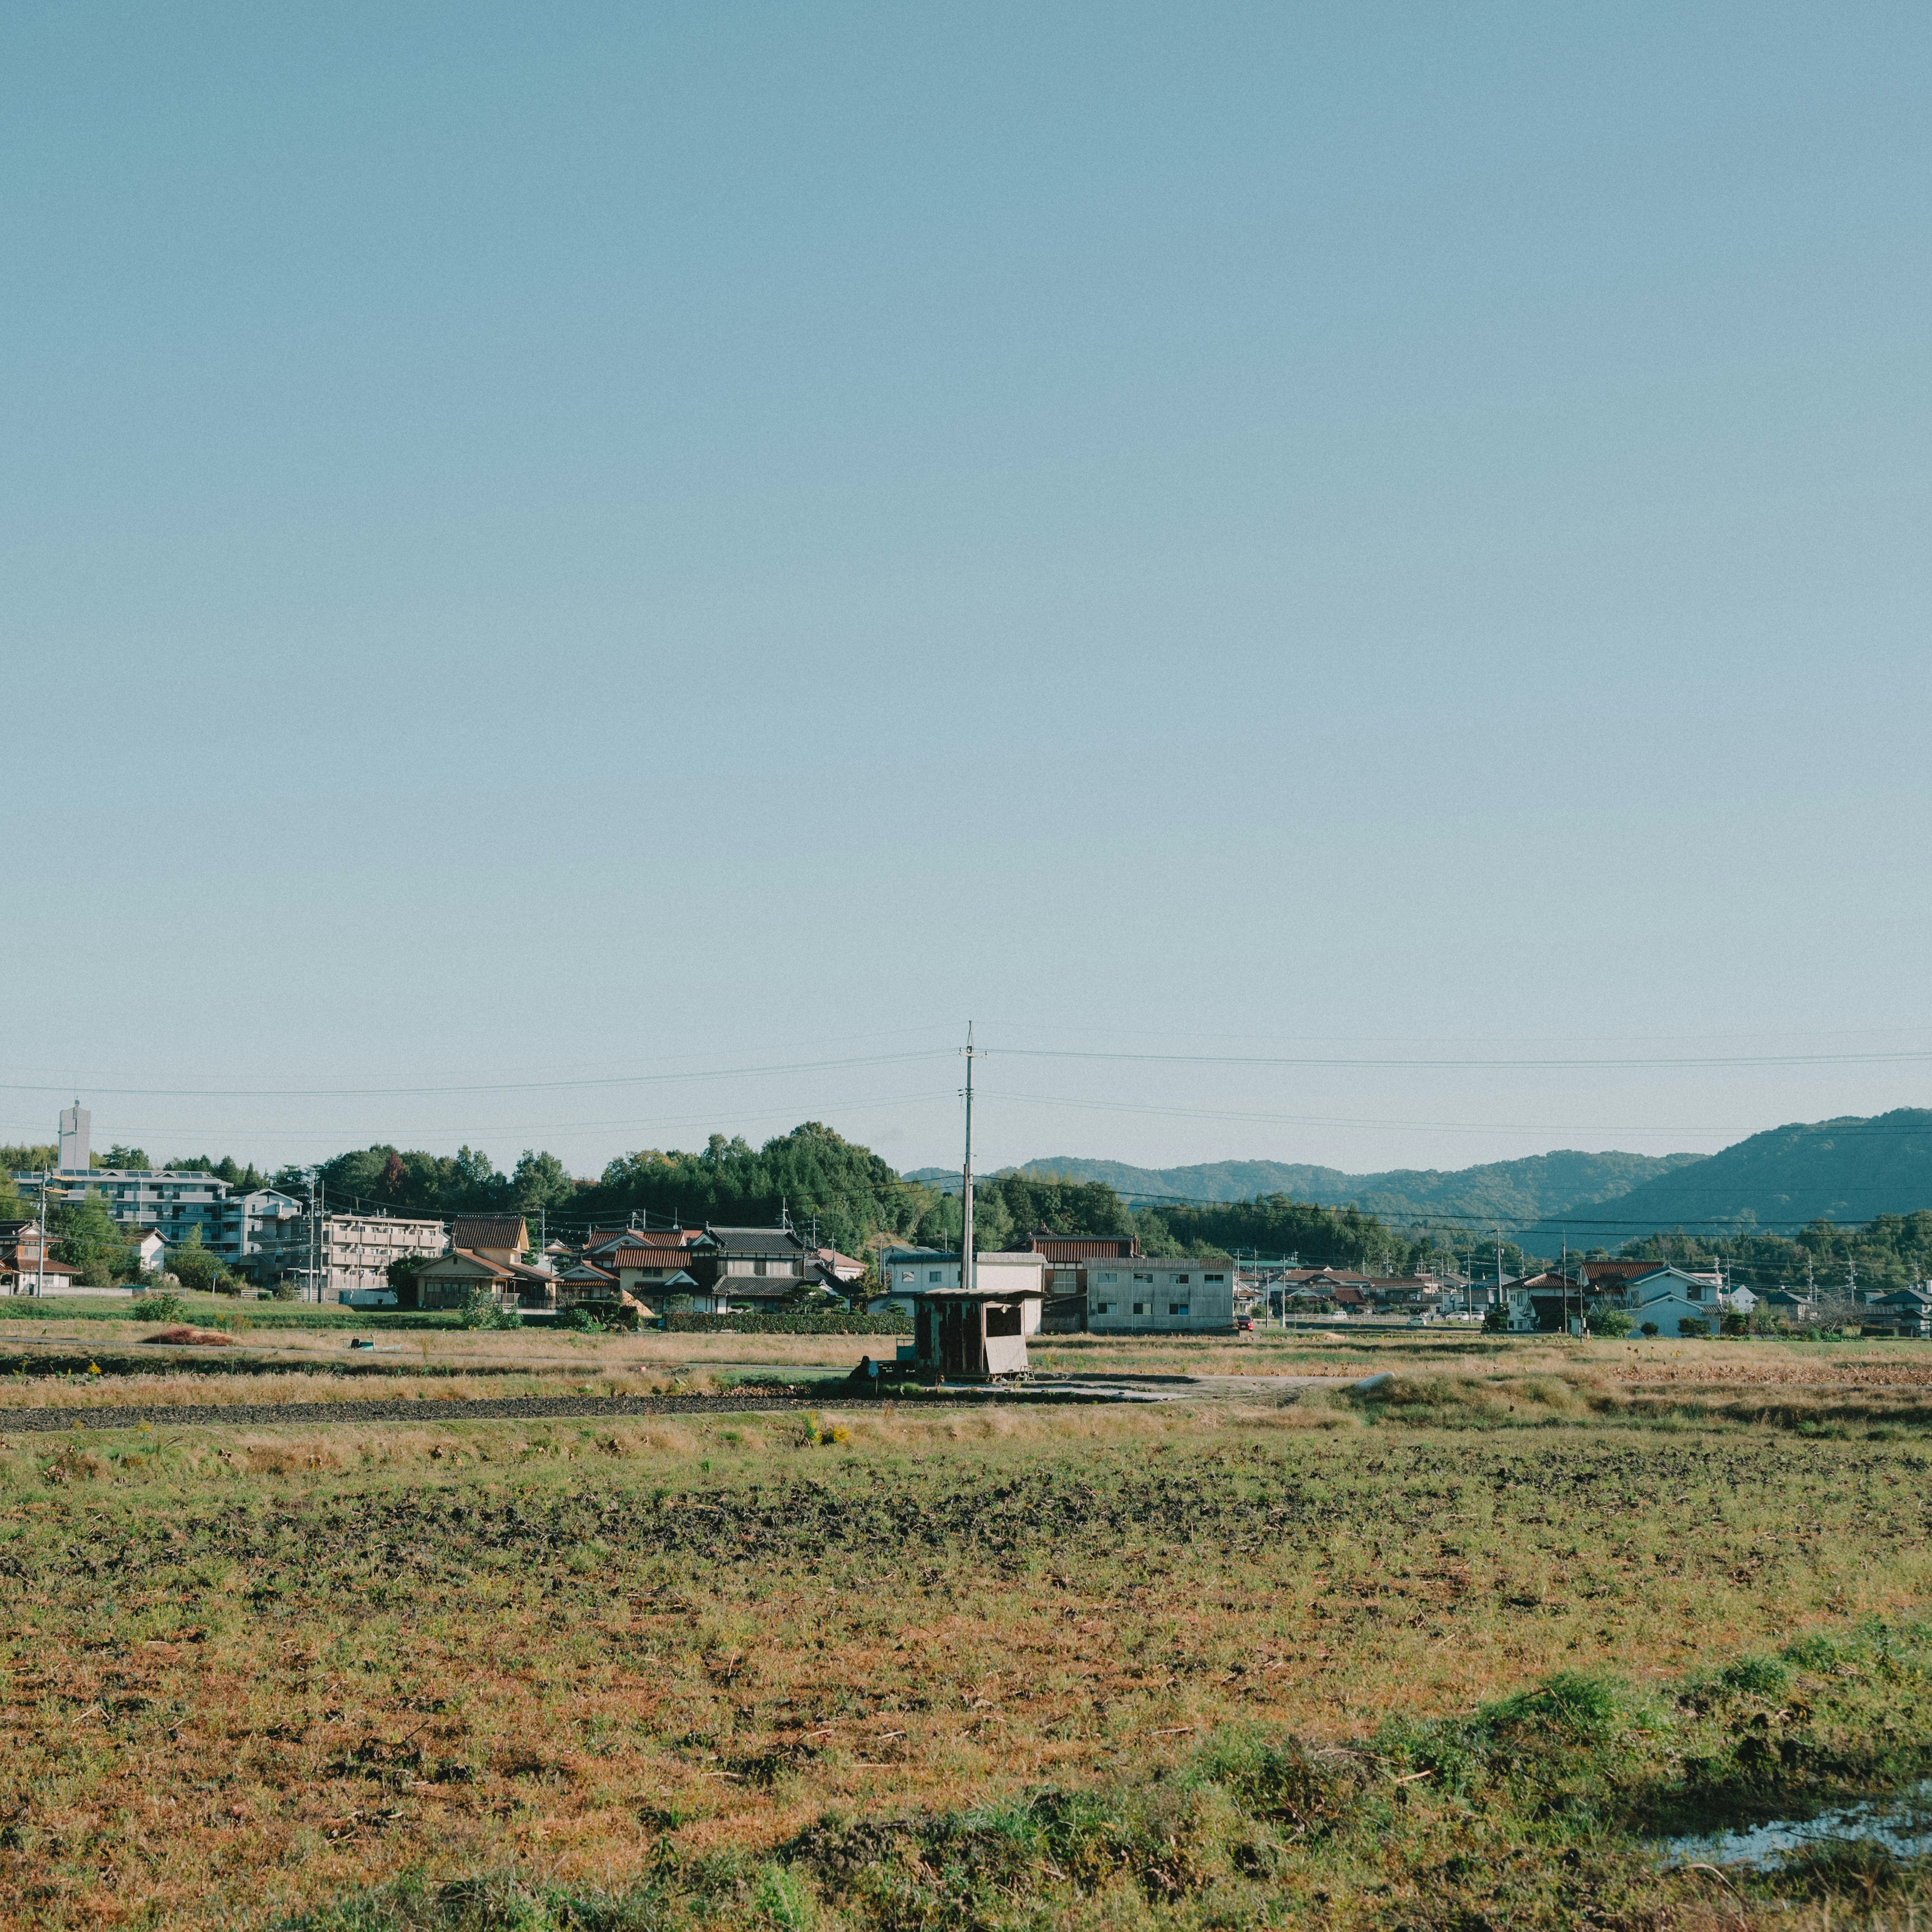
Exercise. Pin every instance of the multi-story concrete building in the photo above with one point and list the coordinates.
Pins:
(1175, 1294)
(173, 1201)
(355, 1252)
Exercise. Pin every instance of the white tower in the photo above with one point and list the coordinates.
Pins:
(75, 1125)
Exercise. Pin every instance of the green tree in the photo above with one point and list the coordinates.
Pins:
(117, 1156)
(539, 1182)
(191, 1264)
(89, 1239)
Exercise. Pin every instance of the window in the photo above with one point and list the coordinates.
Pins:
(1143, 1277)
(1176, 1308)
(1180, 1281)
(1103, 1308)
(1214, 1277)
(1110, 1278)
(1140, 1308)
(931, 1274)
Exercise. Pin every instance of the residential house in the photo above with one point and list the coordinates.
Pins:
(1174, 1295)
(749, 1268)
(27, 1264)
(485, 1256)
(1602, 1279)
(580, 1282)
(1548, 1303)
(1799, 1311)
(150, 1250)
(845, 1268)
(1906, 1311)
(1667, 1298)
(649, 1263)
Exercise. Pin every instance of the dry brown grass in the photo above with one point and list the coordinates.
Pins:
(247, 1669)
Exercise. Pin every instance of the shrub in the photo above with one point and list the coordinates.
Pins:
(165, 1306)
(1693, 1327)
(483, 1310)
(1613, 1322)
(1495, 1318)
(1648, 1328)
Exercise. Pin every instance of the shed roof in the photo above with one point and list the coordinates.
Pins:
(1023, 1291)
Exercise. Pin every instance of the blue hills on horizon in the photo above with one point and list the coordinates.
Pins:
(1850, 1169)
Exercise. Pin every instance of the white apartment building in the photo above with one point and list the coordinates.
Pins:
(1176, 1295)
(356, 1250)
(234, 1227)
(173, 1201)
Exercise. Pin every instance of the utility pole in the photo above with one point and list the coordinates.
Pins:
(966, 1255)
(40, 1261)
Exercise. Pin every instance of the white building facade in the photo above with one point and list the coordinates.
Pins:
(1153, 1295)
(911, 1273)
(355, 1252)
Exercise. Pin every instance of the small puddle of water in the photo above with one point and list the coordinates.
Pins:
(1901, 1822)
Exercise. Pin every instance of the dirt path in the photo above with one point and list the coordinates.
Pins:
(434, 1411)
(1269, 1389)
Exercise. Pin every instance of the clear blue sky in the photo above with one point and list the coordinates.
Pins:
(544, 544)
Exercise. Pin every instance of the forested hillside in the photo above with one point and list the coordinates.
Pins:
(1849, 1169)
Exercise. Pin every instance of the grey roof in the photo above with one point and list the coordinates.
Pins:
(751, 1240)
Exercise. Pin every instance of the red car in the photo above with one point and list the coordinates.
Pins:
(1243, 1322)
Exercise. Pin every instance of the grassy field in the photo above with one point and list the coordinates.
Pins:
(250, 1314)
(1445, 1652)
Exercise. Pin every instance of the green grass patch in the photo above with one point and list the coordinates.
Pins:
(208, 1311)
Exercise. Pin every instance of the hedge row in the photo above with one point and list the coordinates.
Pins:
(787, 1324)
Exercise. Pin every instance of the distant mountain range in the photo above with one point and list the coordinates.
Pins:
(1516, 1192)
(1846, 1170)
(1513, 1192)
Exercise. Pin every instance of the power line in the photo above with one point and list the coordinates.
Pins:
(478, 1087)
(1358, 1062)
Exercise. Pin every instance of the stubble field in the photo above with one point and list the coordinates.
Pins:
(1446, 1653)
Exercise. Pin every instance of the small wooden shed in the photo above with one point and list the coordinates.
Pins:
(973, 1335)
